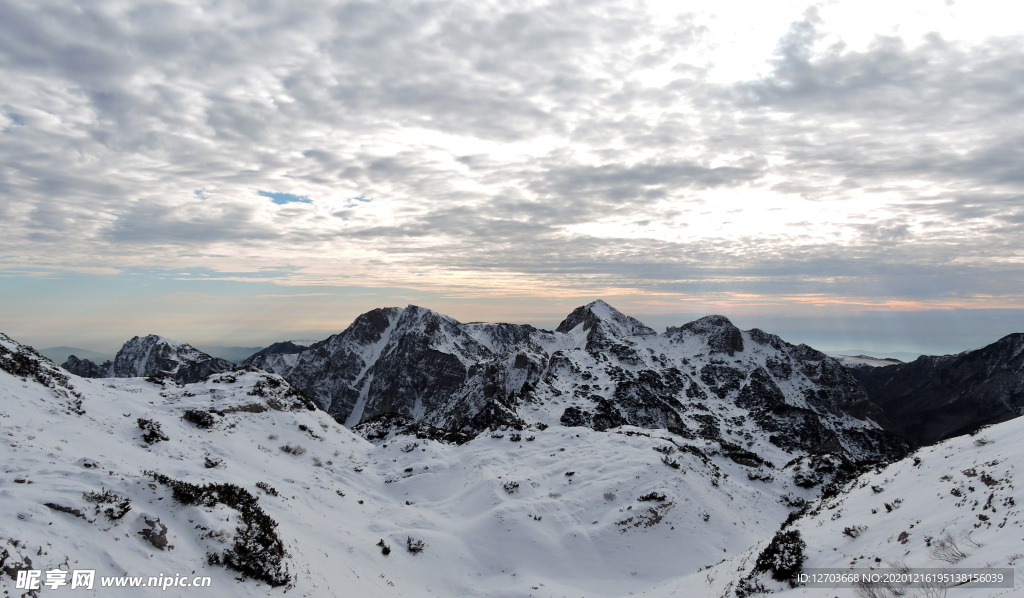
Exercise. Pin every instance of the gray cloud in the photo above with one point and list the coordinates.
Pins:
(510, 140)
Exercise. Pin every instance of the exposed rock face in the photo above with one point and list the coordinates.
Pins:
(933, 398)
(599, 368)
(331, 370)
(87, 369)
(721, 335)
(603, 325)
(152, 356)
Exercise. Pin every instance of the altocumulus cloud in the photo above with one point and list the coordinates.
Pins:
(492, 147)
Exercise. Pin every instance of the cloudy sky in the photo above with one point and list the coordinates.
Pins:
(236, 172)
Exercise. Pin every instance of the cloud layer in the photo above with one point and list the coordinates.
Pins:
(557, 148)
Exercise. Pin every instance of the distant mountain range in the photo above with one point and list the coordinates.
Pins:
(899, 355)
(599, 368)
(61, 354)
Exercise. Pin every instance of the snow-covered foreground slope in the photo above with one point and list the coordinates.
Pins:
(551, 512)
(962, 490)
(558, 512)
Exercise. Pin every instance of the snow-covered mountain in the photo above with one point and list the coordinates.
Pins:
(152, 355)
(599, 369)
(240, 478)
(937, 397)
(951, 505)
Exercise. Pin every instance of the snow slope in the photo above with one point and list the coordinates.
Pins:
(963, 489)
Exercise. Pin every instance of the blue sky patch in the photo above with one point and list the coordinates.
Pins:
(283, 198)
(362, 197)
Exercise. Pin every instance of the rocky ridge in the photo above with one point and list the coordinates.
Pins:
(598, 369)
(152, 355)
(938, 397)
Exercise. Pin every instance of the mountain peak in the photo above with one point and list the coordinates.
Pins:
(156, 338)
(720, 333)
(152, 355)
(424, 318)
(599, 312)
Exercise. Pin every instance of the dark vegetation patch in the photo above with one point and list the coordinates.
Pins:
(267, 488)
(574, 417)
(831, 471)
(414, 546)
(783, 559)
(383, 426)
(854, 531)
(257, 551)
(119, 505)
(152, 431)
(198, 418)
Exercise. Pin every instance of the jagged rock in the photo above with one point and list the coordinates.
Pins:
(600, 369)
(152, 356)
(87, 369)
(933, 398)
(720, 334)
(331, 370)
(604, 326)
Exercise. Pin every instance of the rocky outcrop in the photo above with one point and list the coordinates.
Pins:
(933, 398)
(152, 355)
(87, 369)
(719, 333)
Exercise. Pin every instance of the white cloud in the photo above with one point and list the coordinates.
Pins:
(510, 146)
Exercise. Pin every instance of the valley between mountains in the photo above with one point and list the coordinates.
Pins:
(414, 455)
